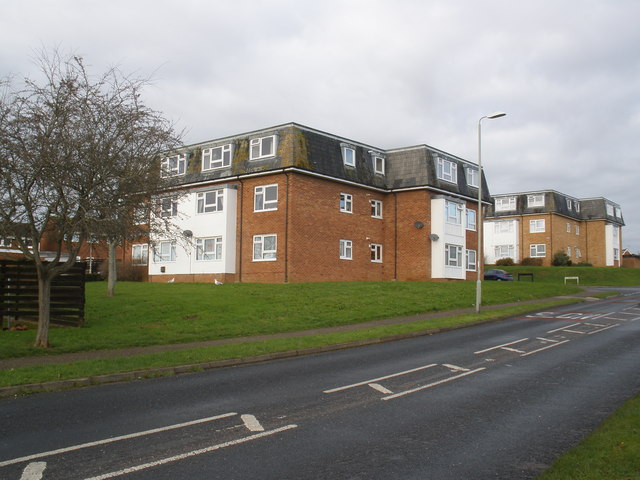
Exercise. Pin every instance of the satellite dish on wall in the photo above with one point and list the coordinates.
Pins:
(418, 224)
(188, 233)
(433, 237)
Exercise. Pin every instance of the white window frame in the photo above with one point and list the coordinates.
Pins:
(168, 207)
(447, 170)
(376, 208)
(453, 213)
(610, 210)
(504, 251)
(164, 251)
(378, 164)
(503, 204)
(349, 156)
(260, 202)
(568, 227)
(618, 212)
(616, 254)
(537, 226)
(224, 160)
(142, 258)
(346, 249)
(577, 206)
(577, 229)
(346, 203)
(203, 206)
(578, 253)
(471, 258)
(538, 250)
(453, 255)
(471, 220)
(257, 148)
(179, 168)
(535, 200)
(568, 251)
(376, 252)
(262, 254)
(472, 177)
(569, 203)
(208, 249)
(503, 226)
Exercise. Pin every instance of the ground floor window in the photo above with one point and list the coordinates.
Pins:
(264, 247)
(453, 255)
(139, 254)
(209, 248)
(538, 250)
(471, 260)
(164, 251)
(346, 249)
(504, 251)
(376, 252)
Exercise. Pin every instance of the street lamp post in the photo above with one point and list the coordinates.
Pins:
(480, 252)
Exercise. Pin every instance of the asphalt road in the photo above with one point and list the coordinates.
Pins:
(497, 401)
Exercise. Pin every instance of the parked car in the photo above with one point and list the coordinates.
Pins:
(497, 274)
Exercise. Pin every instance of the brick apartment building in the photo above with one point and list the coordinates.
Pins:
(294, 204)
(539, 224)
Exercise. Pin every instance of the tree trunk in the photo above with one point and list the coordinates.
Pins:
(112, 277)
(44, 309)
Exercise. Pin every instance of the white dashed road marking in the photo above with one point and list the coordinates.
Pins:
(33, 471)
(434, 384)
(252, 423)
(373, 380)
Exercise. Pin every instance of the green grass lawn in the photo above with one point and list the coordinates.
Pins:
(160, 313)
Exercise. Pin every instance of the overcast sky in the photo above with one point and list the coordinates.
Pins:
(388, 73)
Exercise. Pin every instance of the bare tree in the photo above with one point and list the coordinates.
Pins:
(78, 155)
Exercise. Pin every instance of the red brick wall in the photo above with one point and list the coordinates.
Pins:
(414, 245)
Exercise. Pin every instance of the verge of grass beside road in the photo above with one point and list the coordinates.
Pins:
(91, 368)
(612, 452)
(158, 313)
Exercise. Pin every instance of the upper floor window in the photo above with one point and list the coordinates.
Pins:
(577, 206)
(378, 165)
(569, 203)
(349, 156)
(609, 209)
(453, 212)
(376, 208)
(264, 247)
(174, 165)
(447, 170)
(376, 253)
(346, 203)
(472, 177)
(568, 227)
(216, 157)
(536, 226)
(471, 219)
(536, 200)
(505, 203)
(139, 254)
(6, 242)
(265, 198)
(262, 147)
(211, 201)
(506, 226)
(618, 212)
(168, 207)
(577, 229)
(209, 248)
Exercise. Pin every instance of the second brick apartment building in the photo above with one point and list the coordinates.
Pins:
(293, 204)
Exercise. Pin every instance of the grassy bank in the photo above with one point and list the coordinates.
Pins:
(158, 313)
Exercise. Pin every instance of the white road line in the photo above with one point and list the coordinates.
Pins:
(544, 348)
(424, 387)
(603, 329)
(563, 328)
(193, 453)
(500, 346)
(547, 340)
(380, 388)
(455, 368)
(33, 471)
(574, 331)
(373, 380)
(515, 350)
(252, 423)
(594, 324)
(113, 439)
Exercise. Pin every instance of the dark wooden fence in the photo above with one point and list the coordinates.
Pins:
(19, 294)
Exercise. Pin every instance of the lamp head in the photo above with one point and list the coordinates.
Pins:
(496, 115)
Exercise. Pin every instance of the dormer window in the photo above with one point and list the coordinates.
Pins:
(174, 165)
(536, 200)
(262, 147)
(349, 156)
(216, 157)
(505, 203)
(378, 164)
(472, 177)
(447, 170)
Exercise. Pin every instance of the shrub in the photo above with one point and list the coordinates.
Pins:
(561, 259)
(505, 262)
(531, 262)
(582, 264)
